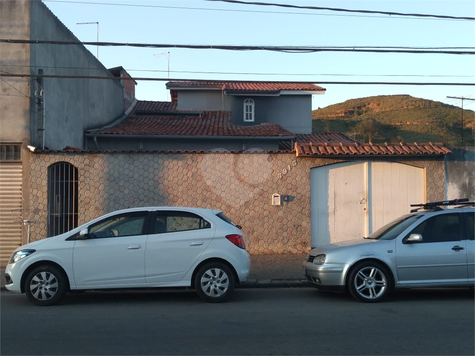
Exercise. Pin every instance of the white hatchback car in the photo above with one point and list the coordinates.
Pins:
(135, 248)
(432, 248)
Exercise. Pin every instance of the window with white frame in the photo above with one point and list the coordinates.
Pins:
(248, 110)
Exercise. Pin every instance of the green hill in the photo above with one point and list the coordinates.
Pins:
(397, 118)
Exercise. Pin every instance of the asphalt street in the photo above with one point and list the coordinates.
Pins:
(256, 321)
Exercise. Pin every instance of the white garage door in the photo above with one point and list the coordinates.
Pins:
(351, 200)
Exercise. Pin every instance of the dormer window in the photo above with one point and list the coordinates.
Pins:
(248, 110)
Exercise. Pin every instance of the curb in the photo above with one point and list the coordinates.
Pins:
(254, 283)
(274, 283)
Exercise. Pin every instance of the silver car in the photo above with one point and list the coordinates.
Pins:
(430, 248)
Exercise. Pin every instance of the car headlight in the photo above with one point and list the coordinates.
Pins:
(320, 259)
(19, 255)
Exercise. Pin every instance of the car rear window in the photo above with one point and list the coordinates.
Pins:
(226, 219)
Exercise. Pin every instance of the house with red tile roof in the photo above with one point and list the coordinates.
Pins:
(223, 145)
(205, 115)
(229, 145)
(251, 103)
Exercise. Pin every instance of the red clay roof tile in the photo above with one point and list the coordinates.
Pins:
(246, 86)
(323, 137)
(162, 119)
(369, 149)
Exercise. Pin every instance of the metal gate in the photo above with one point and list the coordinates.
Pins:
(10, 209)
(351, 200)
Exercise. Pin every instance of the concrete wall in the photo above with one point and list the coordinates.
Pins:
(460, 168)
(198, 100)
(241, 185)
(293, 112)
(71, 105)
(15, 59)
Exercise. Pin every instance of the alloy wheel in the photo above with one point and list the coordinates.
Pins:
(44, 286)
(214, 282)
(370, 283)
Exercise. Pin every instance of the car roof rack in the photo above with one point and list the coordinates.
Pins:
(437, 205)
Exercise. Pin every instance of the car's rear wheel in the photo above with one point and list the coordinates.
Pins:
(46, 285)
(214, 282)
(369, 281)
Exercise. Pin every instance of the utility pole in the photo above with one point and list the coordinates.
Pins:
(40, 102)
(461, 98)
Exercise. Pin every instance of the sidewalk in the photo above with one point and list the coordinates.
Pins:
(266, 271)
(276, 271)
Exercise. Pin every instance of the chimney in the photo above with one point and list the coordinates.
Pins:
(128, 83)
(174, 95)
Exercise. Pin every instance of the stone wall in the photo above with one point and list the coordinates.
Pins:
(239, 184)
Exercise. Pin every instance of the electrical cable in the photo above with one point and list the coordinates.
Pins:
(224, 81)
(370, 12)
(390, 13)
(129, 70)
(285, 49)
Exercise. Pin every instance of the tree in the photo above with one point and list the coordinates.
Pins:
(368, 128)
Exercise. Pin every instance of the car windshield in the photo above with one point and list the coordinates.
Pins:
(394, 228)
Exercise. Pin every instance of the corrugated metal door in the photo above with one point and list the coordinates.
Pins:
(351, 200)
(10, 202)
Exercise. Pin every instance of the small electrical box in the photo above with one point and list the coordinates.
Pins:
(276, 199)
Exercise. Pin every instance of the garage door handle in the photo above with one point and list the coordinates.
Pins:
(196, 243)
(457, 248)
(134, 247)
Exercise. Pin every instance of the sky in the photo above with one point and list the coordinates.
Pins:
(201, 22)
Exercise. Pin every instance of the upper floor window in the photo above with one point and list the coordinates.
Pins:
(248, 110)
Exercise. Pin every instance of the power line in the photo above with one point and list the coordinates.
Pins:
(224, 81)
(285, 49)
(250, 73)
(421, 16)
(345, 10)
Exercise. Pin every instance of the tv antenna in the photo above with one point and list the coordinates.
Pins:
(168, 57)
(97, 32)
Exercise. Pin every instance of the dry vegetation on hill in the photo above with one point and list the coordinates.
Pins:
(397, 118)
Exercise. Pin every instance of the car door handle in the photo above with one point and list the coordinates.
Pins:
(134, 247)
(457, 248)
(196, 243)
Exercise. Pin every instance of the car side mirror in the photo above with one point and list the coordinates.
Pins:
(84, 235)
(413, 238)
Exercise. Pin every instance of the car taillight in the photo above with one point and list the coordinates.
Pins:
(238, 240)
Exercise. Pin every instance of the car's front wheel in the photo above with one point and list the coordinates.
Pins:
(46, 285)
(214, 282)
(369, 281)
